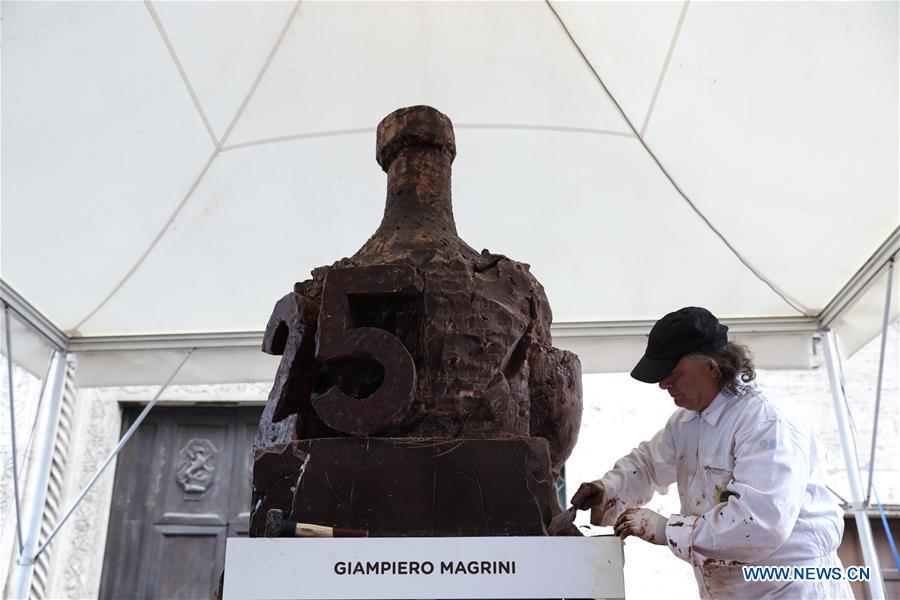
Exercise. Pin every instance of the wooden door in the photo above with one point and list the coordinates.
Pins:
(182, 486)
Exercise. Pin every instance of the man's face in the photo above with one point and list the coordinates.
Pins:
(692, 384)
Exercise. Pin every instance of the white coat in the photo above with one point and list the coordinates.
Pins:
(751, 484)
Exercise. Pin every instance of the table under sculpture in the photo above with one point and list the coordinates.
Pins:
(419, 393)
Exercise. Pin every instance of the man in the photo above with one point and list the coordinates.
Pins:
(750, 479)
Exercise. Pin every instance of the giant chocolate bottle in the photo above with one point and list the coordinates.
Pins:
(419, 392)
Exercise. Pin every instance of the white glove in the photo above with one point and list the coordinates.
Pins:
(643, 523)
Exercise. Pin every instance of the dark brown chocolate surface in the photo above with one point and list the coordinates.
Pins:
(412, 487)
(442, 352)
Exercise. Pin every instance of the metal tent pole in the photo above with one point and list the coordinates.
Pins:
(884, 334)
(12, 426)
(857, 500)
(115, 451)
(42, 461)
(37, 411)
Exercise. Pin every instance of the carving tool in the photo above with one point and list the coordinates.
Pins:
(562, 521)
(278, 526)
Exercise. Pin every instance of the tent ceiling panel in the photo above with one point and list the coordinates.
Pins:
(480, 62)
(866, 315)
(102, 363)
(29, 351)
(221, 46)
(797, 143)
(627, 43)
(312, 205)
(98, 146)
(120, 217)
(260, 220)
(631, 232)
(140, 367)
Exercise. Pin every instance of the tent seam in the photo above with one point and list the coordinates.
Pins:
(184, 77)
(298, 136)
(665, 67)
(203, 171)
(361, 130)
(795, 304)
(261, 74)
(153, 243)
(557, 128)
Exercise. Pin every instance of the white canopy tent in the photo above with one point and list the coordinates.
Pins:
(170, 169)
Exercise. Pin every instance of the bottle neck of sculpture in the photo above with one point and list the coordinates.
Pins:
(418, 210)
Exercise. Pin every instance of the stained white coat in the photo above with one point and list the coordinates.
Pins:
(751, 483)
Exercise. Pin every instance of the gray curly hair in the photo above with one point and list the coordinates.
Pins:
(734, 363)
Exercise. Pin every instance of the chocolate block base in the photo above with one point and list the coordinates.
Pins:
(409, 487)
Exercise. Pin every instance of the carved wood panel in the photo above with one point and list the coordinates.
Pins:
(182, 486)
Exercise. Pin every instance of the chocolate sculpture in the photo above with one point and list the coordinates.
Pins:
(418, 392)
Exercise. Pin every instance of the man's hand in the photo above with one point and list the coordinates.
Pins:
(643, 523)
(589, 494)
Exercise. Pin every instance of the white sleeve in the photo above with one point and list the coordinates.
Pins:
(633, 479)
(770, 474)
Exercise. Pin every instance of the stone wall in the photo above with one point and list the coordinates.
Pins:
(25, 394)
(78, 551)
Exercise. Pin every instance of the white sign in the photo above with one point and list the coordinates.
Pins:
(461, 567)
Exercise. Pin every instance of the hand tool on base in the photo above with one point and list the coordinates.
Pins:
(278, 526)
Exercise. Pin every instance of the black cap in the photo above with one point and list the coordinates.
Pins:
(678, 334)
